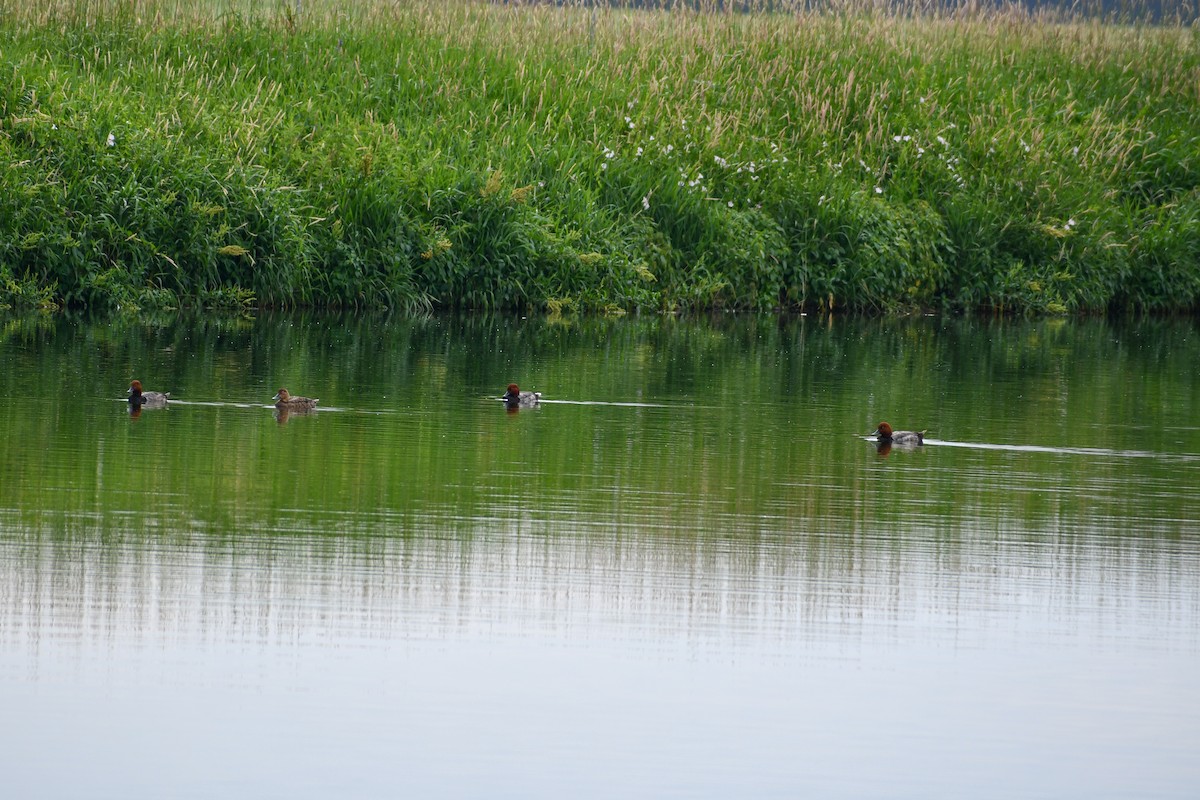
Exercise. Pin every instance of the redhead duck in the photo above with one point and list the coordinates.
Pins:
(283, 400)
(138, 398)
(515, 398)
(884, 433)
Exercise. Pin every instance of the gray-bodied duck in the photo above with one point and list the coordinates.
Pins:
(139, 398)
(884, 433)
(515, 398)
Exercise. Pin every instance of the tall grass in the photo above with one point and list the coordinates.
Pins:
(322, 153)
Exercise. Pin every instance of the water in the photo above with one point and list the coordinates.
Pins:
(687, 574)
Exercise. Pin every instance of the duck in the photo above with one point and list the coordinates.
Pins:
(283, 400)
(884, 433)
(515, 398)
(139, 398)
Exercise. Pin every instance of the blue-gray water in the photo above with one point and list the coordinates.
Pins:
(690, 576)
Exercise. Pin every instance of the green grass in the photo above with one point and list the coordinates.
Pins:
(426, 154)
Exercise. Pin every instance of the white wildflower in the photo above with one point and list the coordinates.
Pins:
(878, 190)
(646, 202)
(112, 140)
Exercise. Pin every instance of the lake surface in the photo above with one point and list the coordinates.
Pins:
(687, 574)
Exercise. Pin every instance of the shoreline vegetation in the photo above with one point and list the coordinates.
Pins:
(468, 155)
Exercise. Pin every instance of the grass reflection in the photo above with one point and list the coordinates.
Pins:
(729, 425)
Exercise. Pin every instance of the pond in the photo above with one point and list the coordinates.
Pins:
(687, 573)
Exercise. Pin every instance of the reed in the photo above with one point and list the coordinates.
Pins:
(467, 154)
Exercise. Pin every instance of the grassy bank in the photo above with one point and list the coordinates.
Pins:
(476, 155)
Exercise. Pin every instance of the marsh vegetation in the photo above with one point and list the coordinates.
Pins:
(476, 155)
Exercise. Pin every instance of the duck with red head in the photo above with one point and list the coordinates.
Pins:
(285, 401)
(139, 398)
(515, 398)
(885, 435)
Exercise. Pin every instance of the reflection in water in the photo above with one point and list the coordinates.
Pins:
(771, 596)
(884, 448)
(685, 577)
(284, 413)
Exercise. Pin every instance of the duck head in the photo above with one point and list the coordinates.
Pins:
(282, 396)
(883, 432)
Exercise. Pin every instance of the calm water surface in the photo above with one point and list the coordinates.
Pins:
(688, 576)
